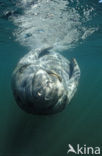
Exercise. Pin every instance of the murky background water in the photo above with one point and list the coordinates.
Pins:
(75, 30)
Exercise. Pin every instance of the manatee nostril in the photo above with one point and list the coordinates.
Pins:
(48, 84)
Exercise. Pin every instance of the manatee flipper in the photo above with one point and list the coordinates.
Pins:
(73, 82)
(76, 70)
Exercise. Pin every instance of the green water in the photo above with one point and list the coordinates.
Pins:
(23, 134)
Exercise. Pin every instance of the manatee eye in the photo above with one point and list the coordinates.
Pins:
(55, 74)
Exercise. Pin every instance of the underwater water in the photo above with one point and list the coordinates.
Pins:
(74, 29)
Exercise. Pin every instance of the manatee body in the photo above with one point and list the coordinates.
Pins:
(44, 82)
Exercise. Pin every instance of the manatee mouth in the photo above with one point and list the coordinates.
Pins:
(55, 74)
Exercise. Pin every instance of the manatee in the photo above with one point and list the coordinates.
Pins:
(44, 82)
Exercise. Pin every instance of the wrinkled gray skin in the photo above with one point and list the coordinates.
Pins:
(44, 82)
